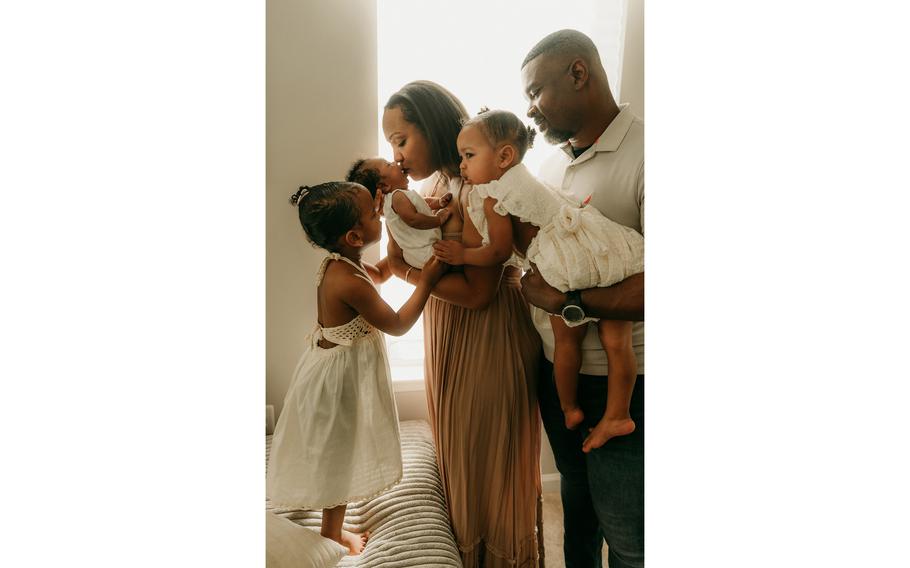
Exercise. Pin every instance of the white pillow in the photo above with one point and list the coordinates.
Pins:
(289, 545)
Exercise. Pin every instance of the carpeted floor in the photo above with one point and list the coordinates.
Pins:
(553, 532)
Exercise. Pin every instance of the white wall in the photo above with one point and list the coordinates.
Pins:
(632, 87)
(320, 116)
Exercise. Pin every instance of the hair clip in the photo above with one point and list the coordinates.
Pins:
(301, 193)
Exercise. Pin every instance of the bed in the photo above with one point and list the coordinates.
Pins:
(408, 525)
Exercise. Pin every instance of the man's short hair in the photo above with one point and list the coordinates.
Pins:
(571, 43)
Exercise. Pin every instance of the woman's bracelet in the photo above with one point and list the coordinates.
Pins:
(408, 274)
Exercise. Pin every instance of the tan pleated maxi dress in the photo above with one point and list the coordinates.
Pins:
(481, 372)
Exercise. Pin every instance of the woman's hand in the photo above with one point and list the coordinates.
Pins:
(450, 252)
(536, 291)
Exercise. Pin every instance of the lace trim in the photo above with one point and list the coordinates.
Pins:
(320, 274)
(325, 263)
(346, 334)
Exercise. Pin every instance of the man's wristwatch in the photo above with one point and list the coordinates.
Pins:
(571, 310)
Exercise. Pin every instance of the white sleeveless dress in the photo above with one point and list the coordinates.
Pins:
(416, 244)
(337, 438)
(577, 247)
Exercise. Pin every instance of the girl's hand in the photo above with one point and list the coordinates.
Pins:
(450, 252)
(432, 271)
(436, 203)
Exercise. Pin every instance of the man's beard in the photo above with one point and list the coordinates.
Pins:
(556, 137)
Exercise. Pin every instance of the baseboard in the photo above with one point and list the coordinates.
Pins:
(550, 482)
(269, 419)
(407, 385)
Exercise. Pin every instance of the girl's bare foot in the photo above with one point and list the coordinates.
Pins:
(574, 417)
(355, 542)
(607, 428)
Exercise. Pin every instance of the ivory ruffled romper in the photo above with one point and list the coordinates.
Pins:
(577, 247)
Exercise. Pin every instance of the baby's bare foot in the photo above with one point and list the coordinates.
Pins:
(355, 542)
(606, 429)
(574, 417)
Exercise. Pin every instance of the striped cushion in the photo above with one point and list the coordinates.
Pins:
(408, 525)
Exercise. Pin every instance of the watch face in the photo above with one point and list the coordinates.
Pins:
(573, 313)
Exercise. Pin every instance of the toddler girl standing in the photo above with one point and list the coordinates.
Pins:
(337, 438)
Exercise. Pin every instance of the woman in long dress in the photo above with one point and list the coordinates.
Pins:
(481, 354)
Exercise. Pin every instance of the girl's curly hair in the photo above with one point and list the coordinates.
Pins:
(327, 211)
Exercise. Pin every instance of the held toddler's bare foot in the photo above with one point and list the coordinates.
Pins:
(355, 542)
(574, 417)
(607, 428)
(443, 216)
(445, 199)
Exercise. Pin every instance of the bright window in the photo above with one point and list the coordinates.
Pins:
(431, 39)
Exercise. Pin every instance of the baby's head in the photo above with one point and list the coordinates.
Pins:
(378, 174)
(338, 215)
(491, 143)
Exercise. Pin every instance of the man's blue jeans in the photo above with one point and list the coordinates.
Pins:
(603, 492)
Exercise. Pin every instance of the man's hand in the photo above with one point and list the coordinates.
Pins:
(450, 252)
(624, 300)
(536, 291)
